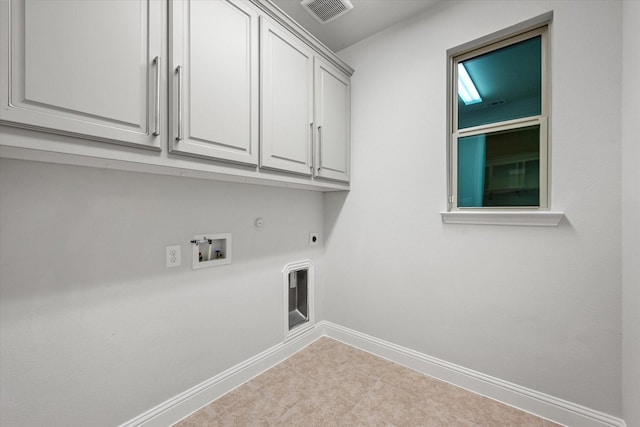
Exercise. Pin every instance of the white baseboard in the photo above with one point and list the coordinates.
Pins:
(185, 404)
(540, 404)
(543, 405)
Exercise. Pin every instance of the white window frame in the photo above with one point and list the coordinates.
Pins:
(516, 215)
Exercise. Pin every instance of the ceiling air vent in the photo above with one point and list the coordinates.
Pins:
(327, 10)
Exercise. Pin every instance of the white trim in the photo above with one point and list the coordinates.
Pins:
(513, 124)
(19, 144)
(515, 217)
(190, 401)
(523, 27)
(540, 404)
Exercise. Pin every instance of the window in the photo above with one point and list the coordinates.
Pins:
(498, 138)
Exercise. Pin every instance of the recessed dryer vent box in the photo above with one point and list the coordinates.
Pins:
(211, 250)
(298, 298)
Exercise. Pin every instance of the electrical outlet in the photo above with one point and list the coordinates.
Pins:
(314, 239)
(173, 256)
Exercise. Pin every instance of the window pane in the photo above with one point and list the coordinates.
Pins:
(508, 81)
(500, 168)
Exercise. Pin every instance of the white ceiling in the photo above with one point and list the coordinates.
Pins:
(366, 18)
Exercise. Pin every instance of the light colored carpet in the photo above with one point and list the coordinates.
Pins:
(329, 383)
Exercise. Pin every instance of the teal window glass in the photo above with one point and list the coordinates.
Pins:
(508, 81)
(500, 168)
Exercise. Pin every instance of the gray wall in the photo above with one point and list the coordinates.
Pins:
(95, 330)
(631, 213)
(540, 307)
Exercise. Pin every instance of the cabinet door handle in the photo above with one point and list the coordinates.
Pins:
(312, 146)
(179, 73)
(319, 148)
(156, 132)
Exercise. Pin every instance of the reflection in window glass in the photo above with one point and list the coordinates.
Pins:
(500, 168)
(508, 80)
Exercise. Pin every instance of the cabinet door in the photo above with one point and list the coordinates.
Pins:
(286, 100)
(215, 80)
(332, 115)
(83, 68)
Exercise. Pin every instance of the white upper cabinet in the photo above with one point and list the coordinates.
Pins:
(298, 136)
(227, 89)
(89, 68)
(332, 119)
(286, 100)
(214, 80)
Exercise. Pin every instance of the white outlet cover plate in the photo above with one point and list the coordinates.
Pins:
(173, 255)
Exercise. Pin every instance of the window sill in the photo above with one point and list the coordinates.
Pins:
(526, 218)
